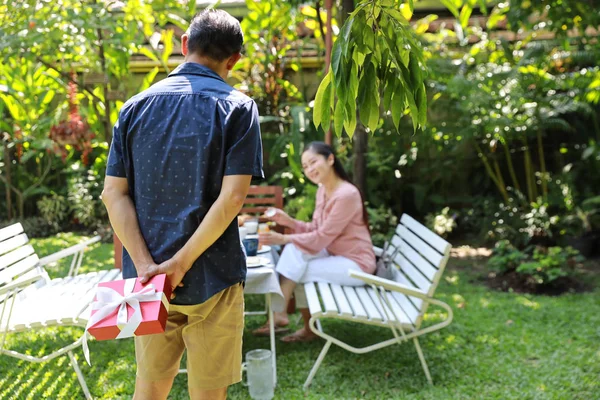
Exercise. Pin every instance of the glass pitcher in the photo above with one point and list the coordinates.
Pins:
(259, 370)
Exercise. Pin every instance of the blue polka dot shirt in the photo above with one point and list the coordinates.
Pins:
(174, 142)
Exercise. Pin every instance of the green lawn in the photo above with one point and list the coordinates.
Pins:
(500, 346)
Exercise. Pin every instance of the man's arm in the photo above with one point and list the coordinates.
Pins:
(220, 215)
(123, 219)
(234, 189)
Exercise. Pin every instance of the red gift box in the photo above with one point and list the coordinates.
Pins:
(152, 298)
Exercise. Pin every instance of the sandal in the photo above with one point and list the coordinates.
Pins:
(299, 338)
(265, 330)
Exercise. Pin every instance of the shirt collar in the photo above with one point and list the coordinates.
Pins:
(192, 68)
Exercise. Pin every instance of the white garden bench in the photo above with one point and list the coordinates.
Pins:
(30, 300)
(400, 304)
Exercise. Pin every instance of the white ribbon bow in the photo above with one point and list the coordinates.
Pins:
(108, 300)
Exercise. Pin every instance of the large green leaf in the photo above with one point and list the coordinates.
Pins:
(398, 106)
(321, 107)
(338, 119)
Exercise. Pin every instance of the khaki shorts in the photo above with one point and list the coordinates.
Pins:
(211, 333)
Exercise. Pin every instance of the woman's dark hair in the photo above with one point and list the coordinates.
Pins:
(326, 150)
(215, 34)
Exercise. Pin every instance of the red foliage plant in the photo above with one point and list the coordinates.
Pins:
(74, 131)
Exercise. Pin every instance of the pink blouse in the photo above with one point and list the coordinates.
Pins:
(338, 227)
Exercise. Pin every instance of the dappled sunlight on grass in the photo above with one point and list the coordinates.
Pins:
(528, 303)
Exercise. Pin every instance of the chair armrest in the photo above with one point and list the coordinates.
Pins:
(378, 251)
(21, 283)
(389, 285)
(68, 251)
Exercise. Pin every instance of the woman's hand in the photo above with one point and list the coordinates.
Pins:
(279, 216)
(275, 238)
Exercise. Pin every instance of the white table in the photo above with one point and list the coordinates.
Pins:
(264, 280)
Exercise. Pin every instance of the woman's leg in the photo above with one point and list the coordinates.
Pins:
(332, 269)
(291, 267)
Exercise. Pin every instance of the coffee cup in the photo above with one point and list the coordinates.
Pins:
(251, 245)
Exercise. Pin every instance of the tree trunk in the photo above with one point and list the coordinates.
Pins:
(106, 120)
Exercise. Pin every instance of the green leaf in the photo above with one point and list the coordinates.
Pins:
(388, 92)
(422, 104)
(322, 104)
(178, 21)
(398, 106)
(336, 57)
(449, 4)
(145, 51)
(465, 14)
(483, 7)
(338, 119)
(345, 35)
(374, 110)
(148, 79)
(350, 121)
(414, 111)
(167, 37)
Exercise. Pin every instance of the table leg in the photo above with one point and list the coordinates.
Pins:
(272, 336)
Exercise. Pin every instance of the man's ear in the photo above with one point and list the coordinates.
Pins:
(184, 44)
(233, 60)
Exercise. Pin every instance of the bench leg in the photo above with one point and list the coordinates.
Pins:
(315, 367)
(423, 363)
(80, 377)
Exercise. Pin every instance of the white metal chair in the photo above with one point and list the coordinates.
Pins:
(30, 300)
(400, 304)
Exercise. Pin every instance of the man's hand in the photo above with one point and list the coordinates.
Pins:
(174, 269)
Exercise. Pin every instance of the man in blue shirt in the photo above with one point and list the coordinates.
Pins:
(180, 164)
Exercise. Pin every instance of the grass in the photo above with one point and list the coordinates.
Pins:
(500, 346)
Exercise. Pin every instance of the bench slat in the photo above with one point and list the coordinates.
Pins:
(10, 231)
(366, 301)
(341, 300)
(407, 306)
(314, 305)
(327, 297)
(15, 255)
(411, 272)
(27, 264)
(422, 247)
(421, 264)
(13, 243)
(428, 236)
(355, 303)
(399, 312)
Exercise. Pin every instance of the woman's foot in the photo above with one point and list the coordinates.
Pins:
(301, 335)
(280, 327)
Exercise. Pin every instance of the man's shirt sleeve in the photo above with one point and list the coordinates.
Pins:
(244, 154)
(115, 165)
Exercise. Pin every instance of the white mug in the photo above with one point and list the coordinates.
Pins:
(243, 232)
(251, 226)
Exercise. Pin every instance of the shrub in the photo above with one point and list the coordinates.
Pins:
(549, 264)
(536, 267)
(54, 209)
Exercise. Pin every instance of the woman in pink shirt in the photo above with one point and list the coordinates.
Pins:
(336, 241)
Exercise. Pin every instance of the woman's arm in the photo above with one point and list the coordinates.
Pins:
(340, 212)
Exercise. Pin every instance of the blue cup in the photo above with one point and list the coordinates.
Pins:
(251, 245)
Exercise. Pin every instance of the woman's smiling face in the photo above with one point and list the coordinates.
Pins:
(316, 167)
